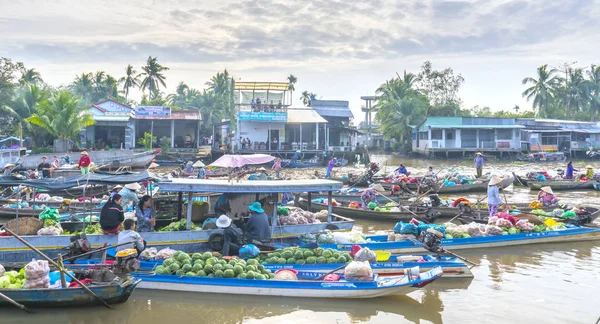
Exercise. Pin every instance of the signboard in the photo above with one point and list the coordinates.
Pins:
(153, 111)
(262, 116)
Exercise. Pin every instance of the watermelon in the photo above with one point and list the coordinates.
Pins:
(200, 262)
(206, 256)
(217, 267)
(160, 270)
(298, 255)
(250, 268)
(180, 273)
(281, 261)
(238, 269)
(327, 254)
(219, 274)
(321, 260)
(186, 268)
(196, 256)
(228, 267)
(242, 275)
(168, 261)
(311, 260)
(191, 274)
(229, 273)
(341, 259)
(174, 267)
(290, 261)
(197, 267)
(208, 268)
(308, 253)
(260, 277)
(201, 273)
(252, 262)
(250, 275)
(331, 260)
(287, 254)
(300, 261)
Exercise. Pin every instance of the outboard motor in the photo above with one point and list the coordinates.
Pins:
(431, 240)
(79, 245)
(126, 262)
(435, 200)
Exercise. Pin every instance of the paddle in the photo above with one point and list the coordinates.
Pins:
(330, 272)
(441, 250)
(10, 301)
(96, 250)
(460, 214)
(398, 205)
(57, 266)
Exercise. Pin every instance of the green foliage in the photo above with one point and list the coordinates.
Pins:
(147, 141)
(165, 144)
(153, 77)
(40, 150)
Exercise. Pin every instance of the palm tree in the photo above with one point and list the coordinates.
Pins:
(574, 94)
(516, 108)
(63, 115)
(542, 89)
(593, 84)
(291, 85)
(30, 76)
(305, 98)
(83, 86)
(153, 76)
(409, 79)
(130, 80)
(24, 105)
(219, 83)
(180, 96)
(111, 87)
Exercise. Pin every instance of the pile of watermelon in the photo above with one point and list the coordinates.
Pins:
(295, 255)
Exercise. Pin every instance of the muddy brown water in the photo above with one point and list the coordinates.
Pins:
(547, 283)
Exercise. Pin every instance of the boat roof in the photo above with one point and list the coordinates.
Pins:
(249, 186)
(71, 182)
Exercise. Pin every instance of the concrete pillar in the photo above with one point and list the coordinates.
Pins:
(317, 135)
(189, 211)
(300, 136)
(477, 138)
(151, 132)
(172, 133)
(444, 139)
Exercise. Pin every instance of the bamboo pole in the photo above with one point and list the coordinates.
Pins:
(10, 301)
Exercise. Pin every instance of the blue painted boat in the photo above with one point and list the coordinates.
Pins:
(570, 234)
(380, 286)
(452, 267)
(112, 293)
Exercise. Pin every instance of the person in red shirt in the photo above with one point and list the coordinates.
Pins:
(84, 163)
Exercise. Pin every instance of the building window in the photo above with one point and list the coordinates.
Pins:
(436, 134)
(504, 134)
(422, 135)
(449, 135)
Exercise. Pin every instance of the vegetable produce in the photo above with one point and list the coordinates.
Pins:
(358, 271)
(524, 225)
(36, 274)
(180, 225)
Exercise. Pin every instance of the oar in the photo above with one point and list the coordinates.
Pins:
(443, 251)
(460, 214)
(10, 301)
(398, 205)
(330, 272)
(97, 250)
(57, 266)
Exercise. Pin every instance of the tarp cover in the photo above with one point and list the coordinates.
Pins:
(71, 182)
(237, 161)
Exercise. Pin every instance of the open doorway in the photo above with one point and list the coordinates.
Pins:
(274, 139)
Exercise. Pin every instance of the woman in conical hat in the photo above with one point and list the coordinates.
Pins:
(546, 197)
(493, 194)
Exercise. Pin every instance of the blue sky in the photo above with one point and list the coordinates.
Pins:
(338, 49)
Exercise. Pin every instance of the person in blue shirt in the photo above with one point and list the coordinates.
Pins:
(189, 167)
(144, 214)
(402, 170)
(222, 204)
(570, 170)
(201, 173)
(330, 166)
(493, 194)
(258, 224)
(479, 164)
(296, 156)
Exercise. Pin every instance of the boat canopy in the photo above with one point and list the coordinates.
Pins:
(248, 186)
(71, 182)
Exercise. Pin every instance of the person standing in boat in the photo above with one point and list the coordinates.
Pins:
(276, 167)
(570, 170)
(479, 164)
(330, 166)
(258, 224)
(129, 195)
(115, 190)
(546, 197)
(493, 194)
(232, 236)
(84, 163)
(144, 214)
(189, 167)
(111, 215)
(44, 167)
(296, 157)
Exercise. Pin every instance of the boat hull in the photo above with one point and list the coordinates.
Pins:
(114, 159)
(366, 214)
(561, 185)
(566, 235)
(112, 293)
(476, 187)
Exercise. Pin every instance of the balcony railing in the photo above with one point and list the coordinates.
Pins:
(262, 107)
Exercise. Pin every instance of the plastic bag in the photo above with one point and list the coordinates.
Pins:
(365, 255)
(342, 238)
(164, 254)
(501, 222)
(326, 238)
(568, 214)
(149, 254)
(332, 277)
(249, 251)
(372, 205)
(358, 271)
(50, 213)
(2, 271)
(406, 228)
(474, 230)
(524, 225)
(36, 274)
(55, 277)
(493, 230)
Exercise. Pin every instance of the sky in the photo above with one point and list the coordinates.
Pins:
(340, 50)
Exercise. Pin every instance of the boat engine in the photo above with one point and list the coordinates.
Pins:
(431, 240)
(126, 262)
(465, 208)
(79, 245)
(435, 200)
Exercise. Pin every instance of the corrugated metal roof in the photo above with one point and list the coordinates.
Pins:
(469, 123)
(112, 118)
(477, 126)
(256, 186)
(254, 86)
(304, 116)
(332, 108)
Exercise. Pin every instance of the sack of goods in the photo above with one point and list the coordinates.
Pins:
(358, 271)
(36, 274)
(366, 255)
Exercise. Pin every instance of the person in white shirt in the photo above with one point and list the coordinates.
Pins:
(128, 235)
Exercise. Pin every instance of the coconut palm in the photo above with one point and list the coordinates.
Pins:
(409, 79)
(180, 97)
(25, 102)
(153, 76)
(593, 84)
(130, 80)
(291, 84)
(516, 108)
(62, 115)
(305, 98)
(574, 94)
(542, 88)
(83, 86)
(29, 77)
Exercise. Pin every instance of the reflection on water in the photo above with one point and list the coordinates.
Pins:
(548, 283)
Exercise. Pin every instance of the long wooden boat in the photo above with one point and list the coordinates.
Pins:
(561, 184)
(113, 158)
(348, 197)
(452, 267)
(369, 214)
(449, 211)
(380, 286)
(301, 164)
(112, 293)
(572, 234)
(475, 187)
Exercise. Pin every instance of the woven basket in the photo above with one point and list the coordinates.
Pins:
(27, 225)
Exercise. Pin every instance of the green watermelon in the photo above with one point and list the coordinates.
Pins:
(260, 277)
(196, 256)
(168, 261)
(308, 254)
(201, 273)
(327, 254)
(252, 262)
(275, 255)
(229, 273)
(233, 262)
(186, 262)
(238, 269)
(200, 262)
(217, 267)
(228, 267)
(197, 267)
(260, 267)
(311, 260)
(174, 267)
(208, 268)
(206, 256)
(341, 259)
(186, 268)
(182, 257)
(242, 275)
(176, 255)
(160, 270)
(250, 275)
(298, 255)
(250, 268)
(271, 275)
(191, 274)
(287, 254)
(211, 261)
(321, 260)
(331, 260)
(290, 261)
(180, 273)
(281, 261)
(219, 273)
(300, 261)
(347, 257)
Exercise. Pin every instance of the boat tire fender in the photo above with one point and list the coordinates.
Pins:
(332, 227)
(215, 241)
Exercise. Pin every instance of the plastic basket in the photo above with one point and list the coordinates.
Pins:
(382, 256)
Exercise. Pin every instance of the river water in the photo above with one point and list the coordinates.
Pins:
(550, 283)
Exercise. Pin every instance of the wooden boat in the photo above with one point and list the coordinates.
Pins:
(112, 293)
(475, 187)
(353, 213)
(348, 197)
(449, 211)
(301, 164)
(561, 184)
(380, 286)
(112, 158)
(570, 234)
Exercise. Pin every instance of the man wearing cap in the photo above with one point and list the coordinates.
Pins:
(84, 163)
(546, 197)
(129, 195)
(232, 236)
(8, 170)
(44, 167)
(479, 164)
(258, 224)
(493, 194)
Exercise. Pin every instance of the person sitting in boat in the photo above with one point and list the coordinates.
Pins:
(232, 236)
(144, 214)
(222, 204)
(128, 234)
(129, 195)
(570, 170)
(493, 194)
(189, 167)
(115, 190)
(431, 173)
(258, 224)
(330, 166)
(546, 197)
(111, 215)
(67, 158)
(296, 156)
(8, 170)
(402, 170)
(201, 173)
(261, 175)
(589, 172)
(370, 195)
